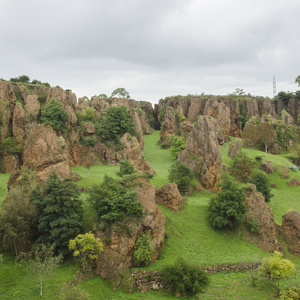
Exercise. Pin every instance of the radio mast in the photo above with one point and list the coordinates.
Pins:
(274, 86)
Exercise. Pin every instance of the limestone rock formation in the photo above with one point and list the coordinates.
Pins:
(118, 253)
(10, 163)
(291, 231)
(266, 238)
(202, 152)
(18, 127)
(293, 182)
(267, 167)
(45, 151)
(234, 148)
(134, 154)
(169, 196)
(287, 118)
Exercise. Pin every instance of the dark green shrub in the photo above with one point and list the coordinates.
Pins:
(10, 146)
(252, 225)
(261, 181)
(242, 166)
(144, 251)
(182, 279)
(180, 174)
(126, 168)
(88, 141)
(113, 201)
(177, 144)
(114, 124)
(226, 208)
(54, 115)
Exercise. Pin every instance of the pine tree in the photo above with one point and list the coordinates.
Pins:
(58, 212)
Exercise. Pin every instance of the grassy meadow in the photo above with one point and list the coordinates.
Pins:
(189, 236)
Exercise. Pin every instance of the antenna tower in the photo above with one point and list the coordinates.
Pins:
(274, 86)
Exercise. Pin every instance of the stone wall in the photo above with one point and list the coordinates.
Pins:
(145, 281)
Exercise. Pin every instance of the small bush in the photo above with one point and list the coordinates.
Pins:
(292, 293)
(182, 279)
(252, 225)
(177, 144)
(261, 181)
(181, 174)
(242, 166)
(126, 168)
(75, 293)
(144, 251)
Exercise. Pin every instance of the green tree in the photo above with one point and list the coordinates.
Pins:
(261, 181)
(267, 134)
(242, 166)
(226, 208)
(41, 262)
(276, 268)
(58, 212)
(144, 250)
(121, 93)
(54, 115)
(180, 174)
(114, 124)
(114, 201)
(126, 168)
(184, 279)
(16, 218)
(250, 135)
(87, 248)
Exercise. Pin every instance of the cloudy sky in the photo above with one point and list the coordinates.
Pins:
(153, 48)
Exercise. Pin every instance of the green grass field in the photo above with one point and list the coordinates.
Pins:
(189, 235)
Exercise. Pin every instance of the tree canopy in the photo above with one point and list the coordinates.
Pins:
(58, 212)
(181, 174)
(120, 92)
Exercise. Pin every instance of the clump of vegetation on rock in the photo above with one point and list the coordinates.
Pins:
(144, 250)
(261, 181)
(180, 174)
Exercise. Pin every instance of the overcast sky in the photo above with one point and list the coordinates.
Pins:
(153, 48)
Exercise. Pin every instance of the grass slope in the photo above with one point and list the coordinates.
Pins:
(189, 236)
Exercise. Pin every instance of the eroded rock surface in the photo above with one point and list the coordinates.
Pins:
(169, 196)
(291, 231)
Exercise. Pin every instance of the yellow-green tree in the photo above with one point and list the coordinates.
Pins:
(87, 248)
(276, 268)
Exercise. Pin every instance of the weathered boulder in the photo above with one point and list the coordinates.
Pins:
(118, 252)
(202, 152)
(293, 182)
(169, 196)
(291, 231)
(32, 106)
(234, 148)
(266, 238)
(267, 167)
(10, 163)
(287, 118)
(13, 178)
(44, 151)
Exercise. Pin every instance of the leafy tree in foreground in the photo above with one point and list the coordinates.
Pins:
(226, 209)
(16, 217)
(87, 248)
(180, 174)
(250, 135)
(261, 181)
(58, 212)
(276, 268)
(114, 124)
(267, 134)
(40, 262)
(114, 202)
(183, 279)
(54, 115)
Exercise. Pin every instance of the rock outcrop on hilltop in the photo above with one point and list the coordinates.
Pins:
(44, 151)
(291, 231)
(267, 236)
(118, 252)
(202, 152)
